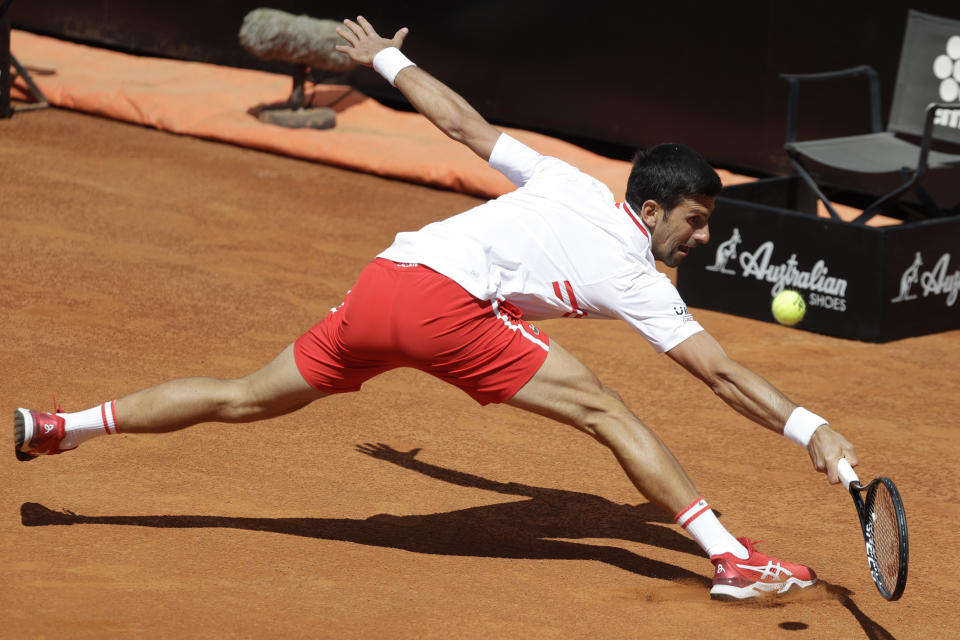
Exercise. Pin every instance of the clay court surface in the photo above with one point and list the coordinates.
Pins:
(131, 256)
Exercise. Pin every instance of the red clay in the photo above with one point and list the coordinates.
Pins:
(132, 256)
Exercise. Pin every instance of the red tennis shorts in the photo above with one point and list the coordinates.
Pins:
(408, 315)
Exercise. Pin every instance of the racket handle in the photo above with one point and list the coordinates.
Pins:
(846, 473)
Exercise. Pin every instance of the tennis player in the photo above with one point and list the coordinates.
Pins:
(456, 300)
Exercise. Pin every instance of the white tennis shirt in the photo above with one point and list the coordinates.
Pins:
(558, 246)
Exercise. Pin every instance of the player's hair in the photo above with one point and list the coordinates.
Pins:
(667, 174)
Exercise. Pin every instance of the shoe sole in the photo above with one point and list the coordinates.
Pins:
(22, 432)
(730, 593)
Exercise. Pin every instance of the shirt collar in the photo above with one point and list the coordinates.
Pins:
(636, 219)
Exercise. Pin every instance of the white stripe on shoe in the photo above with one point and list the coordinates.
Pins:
(757, 589)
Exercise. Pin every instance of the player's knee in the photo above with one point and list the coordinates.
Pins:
(609, 420)
(615, 426)
(239, 401)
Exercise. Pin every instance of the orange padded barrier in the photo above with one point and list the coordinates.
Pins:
(220, 103)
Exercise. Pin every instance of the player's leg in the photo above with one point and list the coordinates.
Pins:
(321, 355)
(567, 391)
(274, 390)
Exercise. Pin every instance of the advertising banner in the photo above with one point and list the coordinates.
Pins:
(865, 283)
(921, 277)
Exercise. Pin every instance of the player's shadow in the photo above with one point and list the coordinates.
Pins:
(523, 529)
(520, 529)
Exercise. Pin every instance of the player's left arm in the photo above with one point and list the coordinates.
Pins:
(445, 108)
(754, 397)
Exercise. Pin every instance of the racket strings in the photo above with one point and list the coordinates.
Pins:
(882, 516)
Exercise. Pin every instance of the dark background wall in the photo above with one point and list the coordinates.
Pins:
(614, 75)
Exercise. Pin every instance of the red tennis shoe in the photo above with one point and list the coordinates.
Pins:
(36, 433)
(738, 579)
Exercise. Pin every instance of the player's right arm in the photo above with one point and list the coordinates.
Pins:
(441, 105)
(755, 398)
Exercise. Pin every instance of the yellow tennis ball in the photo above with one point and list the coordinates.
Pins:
(788, 307)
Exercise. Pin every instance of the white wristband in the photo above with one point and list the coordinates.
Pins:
(801, 424)
(389, 62)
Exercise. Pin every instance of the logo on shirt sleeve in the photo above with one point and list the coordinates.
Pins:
(681, 311)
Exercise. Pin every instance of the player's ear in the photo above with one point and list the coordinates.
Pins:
(649, 213)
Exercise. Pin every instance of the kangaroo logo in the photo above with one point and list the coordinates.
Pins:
(909, 278)
(935, 281)
(726, 252)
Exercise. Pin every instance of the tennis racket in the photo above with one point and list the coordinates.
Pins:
(884, 525)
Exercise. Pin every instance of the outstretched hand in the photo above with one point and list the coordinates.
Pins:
(388, 453)
(826, 448)
(365, 42)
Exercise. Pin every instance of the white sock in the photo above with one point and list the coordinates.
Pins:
(83, 425)
(701, 522)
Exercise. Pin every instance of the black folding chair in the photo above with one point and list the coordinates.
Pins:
(926, 104)
(6, 59)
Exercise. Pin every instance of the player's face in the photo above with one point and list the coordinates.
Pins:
(685, 227)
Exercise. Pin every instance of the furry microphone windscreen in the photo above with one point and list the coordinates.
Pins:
(270, 34)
